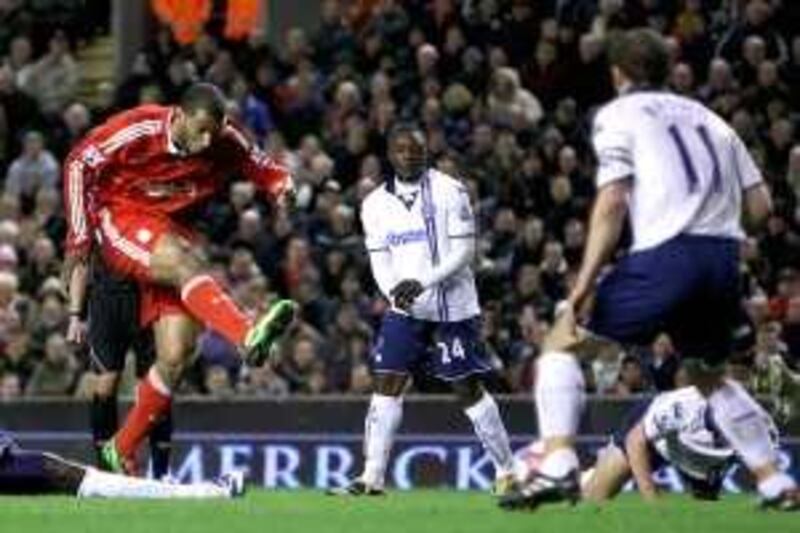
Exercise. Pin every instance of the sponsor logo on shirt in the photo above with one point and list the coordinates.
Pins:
(405, 237)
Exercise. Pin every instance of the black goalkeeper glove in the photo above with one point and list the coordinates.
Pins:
(406, 292)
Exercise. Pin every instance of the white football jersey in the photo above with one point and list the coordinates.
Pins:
(676, 424)
(688, 166)
(418, 233)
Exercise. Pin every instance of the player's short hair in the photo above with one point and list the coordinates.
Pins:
(404, 128)
(642, 55)
(204, 97)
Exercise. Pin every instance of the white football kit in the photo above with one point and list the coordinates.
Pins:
(417, 226)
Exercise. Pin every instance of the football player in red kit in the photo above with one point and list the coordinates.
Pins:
(126, 187)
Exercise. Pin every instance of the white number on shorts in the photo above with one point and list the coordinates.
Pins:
(448, 353)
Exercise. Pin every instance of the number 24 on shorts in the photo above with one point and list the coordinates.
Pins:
(454, 351)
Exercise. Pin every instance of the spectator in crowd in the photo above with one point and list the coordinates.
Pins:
(53, 79)
(34, 169)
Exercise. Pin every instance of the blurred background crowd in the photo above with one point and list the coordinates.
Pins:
(506, 91)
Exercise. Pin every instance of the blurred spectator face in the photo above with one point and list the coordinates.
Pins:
(59, 46)
(20, 51)
(431, 112)
(528, 281)
(560, 190)
(590, 47)
(781, 133)
(242, 194)
(34, 145)
(574, 234)
(754, 50)
(51, 312)
(505, 222)
(767, 74)
(76, 118)
(218, 382)
(427, 57)
(794, 164)
(296, 42)
(719, 74)
(482, 139)
(250, 224)
(351, 286)
(631, 374)
(553, 256)
(567, 160)
(8, 264)
(348, 96)
(9, 230)
(408, 154)
(505, 84)
(545, 54)
(454, 40)
(43, 252)
(47, 201)
(662, 348)
(242, 266)
(533, 232)
(757, 12)
(297, 251)
(682, 78)
(10, 387)
(304, 354)
(357, 137)
(497, 58)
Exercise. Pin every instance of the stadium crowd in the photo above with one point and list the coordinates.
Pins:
(505, 90)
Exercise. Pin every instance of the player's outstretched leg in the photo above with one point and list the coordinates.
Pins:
(380, 425)
(560, 394)
(97, 484)
(482, 410)
(177, 264)
(741, 422)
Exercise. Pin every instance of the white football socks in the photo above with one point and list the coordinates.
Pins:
(743, 424)
(97, 484)
(380, 426)
(491, 431)
(560, 395)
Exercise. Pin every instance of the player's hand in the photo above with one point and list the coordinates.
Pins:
(76, 331)
(405, 292)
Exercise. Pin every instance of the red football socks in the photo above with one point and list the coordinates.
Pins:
(208, 302)
(153, 399)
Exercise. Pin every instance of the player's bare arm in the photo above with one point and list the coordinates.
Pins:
(639, 460)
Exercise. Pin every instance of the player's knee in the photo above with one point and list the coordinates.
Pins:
(390, 384)
(468, 391)
(106, 385)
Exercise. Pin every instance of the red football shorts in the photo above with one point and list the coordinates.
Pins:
(127, 239)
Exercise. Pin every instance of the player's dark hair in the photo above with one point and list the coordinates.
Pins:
(404, 128)
(642, 55)
(204, 97)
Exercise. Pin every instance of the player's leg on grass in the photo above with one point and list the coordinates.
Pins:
(608, 476)
(175, 336)
(740, 420)
(380, 426)
(176, 263)
(144, 347)
(33, 472)
(103, 412)
(482, 410)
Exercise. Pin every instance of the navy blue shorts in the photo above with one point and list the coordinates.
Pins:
(447, 350)
(687, 287)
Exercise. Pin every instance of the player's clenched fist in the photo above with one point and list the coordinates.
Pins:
(405, 292)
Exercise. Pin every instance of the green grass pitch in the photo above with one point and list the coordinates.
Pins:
(407, 512)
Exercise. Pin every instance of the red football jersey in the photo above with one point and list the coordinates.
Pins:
(131, 160)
